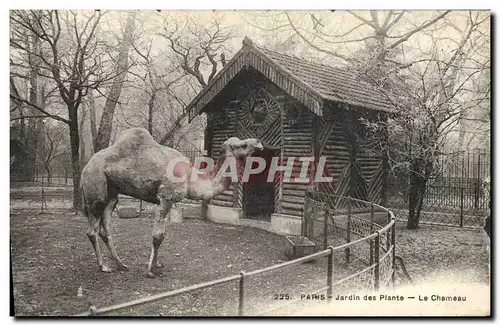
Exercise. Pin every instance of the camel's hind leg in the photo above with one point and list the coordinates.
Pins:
(106, 235)
(158, 232)
(92, 230)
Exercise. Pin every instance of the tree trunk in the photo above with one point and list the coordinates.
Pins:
(81, 134)
(34, 123)
(420, 202)
(168, 139)
(412, 204)
(75, 156)
(33, 129)
(106, 125)
(462, 130)
(49, 175)
(92, 118)
(32, 149)
(151, 105)
(416, 200)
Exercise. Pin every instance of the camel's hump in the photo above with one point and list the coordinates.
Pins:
(135, 136)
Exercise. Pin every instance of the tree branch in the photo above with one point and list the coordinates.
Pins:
(47, 114)
(405, 37)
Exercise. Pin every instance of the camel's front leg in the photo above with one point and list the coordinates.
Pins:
(160, 220)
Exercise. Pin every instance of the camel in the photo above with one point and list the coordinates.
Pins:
(135, 165)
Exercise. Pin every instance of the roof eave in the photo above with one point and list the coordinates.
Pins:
(210, 84)
(308, 96)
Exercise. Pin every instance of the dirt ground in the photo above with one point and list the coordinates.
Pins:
(52, 259)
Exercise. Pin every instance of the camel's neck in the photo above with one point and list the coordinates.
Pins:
(225, 182)
(211, 184)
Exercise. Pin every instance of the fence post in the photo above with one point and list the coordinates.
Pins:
(372, 213)
(348, 235)
(92, 310)
(140, 207)
(478, 183)
(305, 217)
(388, 239)
(204, 208)
(241, 302)
(303, 224)
(325, 228)
(393, 240)
(461, 206)
(377, 261)
(65, 175)
(44, 202)
(329, 276)
(43, 195)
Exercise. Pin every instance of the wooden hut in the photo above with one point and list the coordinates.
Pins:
(298, 109)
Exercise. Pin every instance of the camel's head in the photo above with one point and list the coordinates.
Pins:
(241, 148)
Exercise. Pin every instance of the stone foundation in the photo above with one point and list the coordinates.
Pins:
(191, 210)
(176, 215)
(280, 223)
(221, 214)
(286, 224)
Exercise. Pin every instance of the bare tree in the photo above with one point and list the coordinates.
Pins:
(339, 33)
(30, 79)
(402, 53)
(71, 58)
(156, 81)
(431, 90)
(122, 65)
(199, 50)
(55, 145)
(92, 117)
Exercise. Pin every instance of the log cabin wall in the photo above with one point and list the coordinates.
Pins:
(355, 160)
(297, 108)
(221, 125)
(334, 144)
(298, 142)
(286, 130)
(259, 114)
(293, 130)
(371, 159)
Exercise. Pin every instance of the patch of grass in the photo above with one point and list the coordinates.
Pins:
(432, 252)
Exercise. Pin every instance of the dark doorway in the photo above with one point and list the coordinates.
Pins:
(258, 194)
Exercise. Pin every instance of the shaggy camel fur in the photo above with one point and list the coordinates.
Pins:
(136, 165)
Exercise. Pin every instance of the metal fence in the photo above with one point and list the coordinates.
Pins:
(379, 270)
(45, 198)
(64, 175)
(459, 195)
(326, 225)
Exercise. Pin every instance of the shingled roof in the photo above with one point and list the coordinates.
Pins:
(309, 82)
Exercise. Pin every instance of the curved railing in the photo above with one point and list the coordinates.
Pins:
(340, 219)
(368, 230)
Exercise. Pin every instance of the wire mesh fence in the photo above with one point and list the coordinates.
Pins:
(43, 198)
(352, 247)
(459, 194)
(63, 176)
(352, 227)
